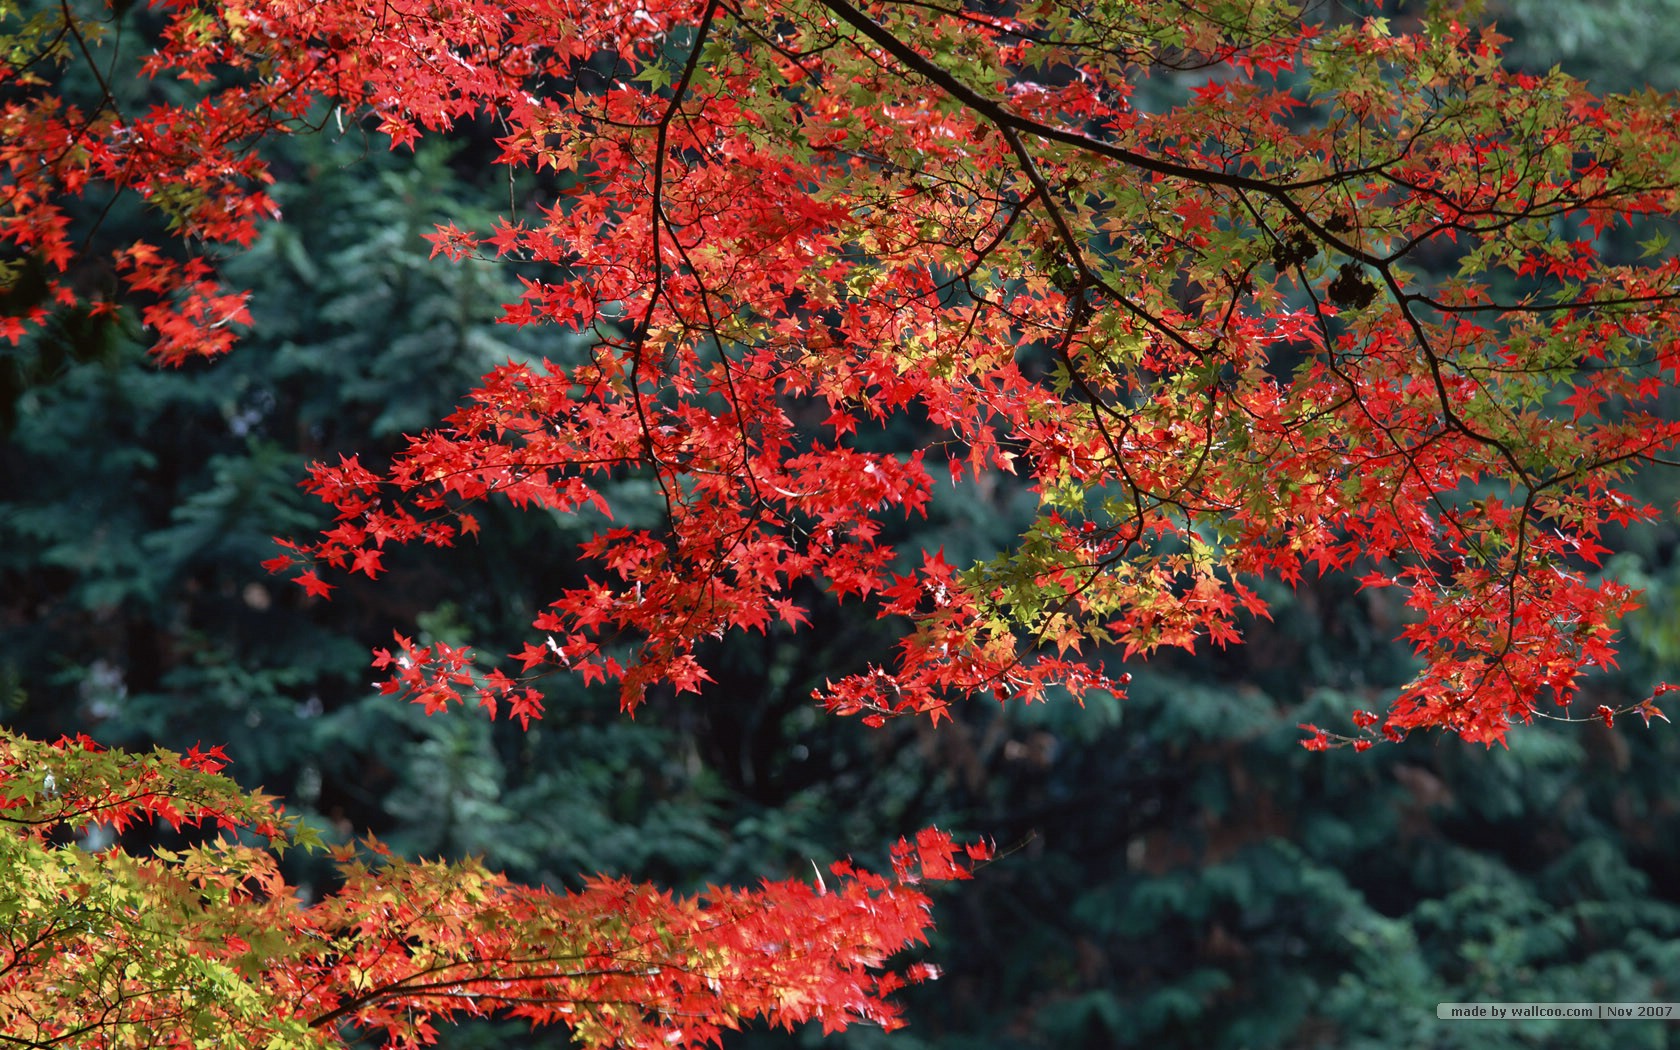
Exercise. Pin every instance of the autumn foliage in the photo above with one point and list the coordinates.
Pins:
(1206, 330)
(1180, 265)
(105, 949)
(1207, 333)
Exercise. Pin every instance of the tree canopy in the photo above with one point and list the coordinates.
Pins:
(1199, 322)
(1244, 292)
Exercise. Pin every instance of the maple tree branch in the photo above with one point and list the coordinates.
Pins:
(1078, 315)
(106, 97)
(659, 222)
(1443, 398)
(1406, 455)
(1001, 116)
(1087, 277)
(1540, 308)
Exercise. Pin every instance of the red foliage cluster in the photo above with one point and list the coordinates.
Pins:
(1204, 332)
(99, 946)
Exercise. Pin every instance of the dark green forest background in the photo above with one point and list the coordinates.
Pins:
(1175, 871)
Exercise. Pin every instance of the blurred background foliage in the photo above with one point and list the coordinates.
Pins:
(1175, 870)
